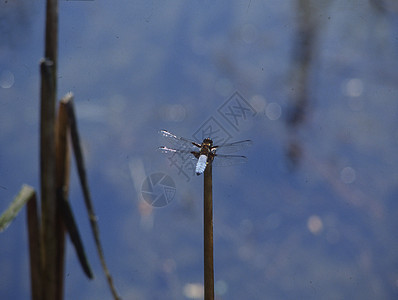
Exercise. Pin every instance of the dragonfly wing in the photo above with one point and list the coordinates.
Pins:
(232, 147)
(180, 152)
(179, 142)
(228, 160)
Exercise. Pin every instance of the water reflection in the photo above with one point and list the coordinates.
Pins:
(304, 51)
(263, 233)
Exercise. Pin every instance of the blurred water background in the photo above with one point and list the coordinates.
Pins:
(312, 215)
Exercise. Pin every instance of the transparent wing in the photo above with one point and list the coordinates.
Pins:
(228, 160)
(179, 142)
(233, 147)
(183, 154)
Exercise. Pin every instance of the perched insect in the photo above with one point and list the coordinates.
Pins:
(205, 153)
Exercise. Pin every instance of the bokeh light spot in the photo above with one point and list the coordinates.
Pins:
(193, 291)
(273, 111)
(314, 224)
(348, 175)
(258, 102)
(6, 79)
(221, 287)
(353, 87)
(174, 113)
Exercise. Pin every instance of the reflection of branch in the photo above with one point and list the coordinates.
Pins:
(302, 58)
(303, 54)
(385, 6)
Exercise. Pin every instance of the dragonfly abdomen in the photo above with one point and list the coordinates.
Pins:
(201, 165)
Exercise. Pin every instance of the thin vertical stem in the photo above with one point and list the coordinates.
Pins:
(47, 170)
(47, 154)
(65, 211)
(86, 193)
(51, 46)
(62, 186)
(34, 248)
(208, 234)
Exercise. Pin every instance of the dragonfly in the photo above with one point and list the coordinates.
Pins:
(205, 153)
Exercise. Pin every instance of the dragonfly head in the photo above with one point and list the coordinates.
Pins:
(208, 142)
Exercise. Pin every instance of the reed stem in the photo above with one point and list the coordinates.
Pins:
(49, 208)
(208, 234)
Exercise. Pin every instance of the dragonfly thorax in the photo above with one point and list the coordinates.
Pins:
(206, 147)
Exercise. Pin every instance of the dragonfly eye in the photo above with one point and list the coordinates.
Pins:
(208, 142)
